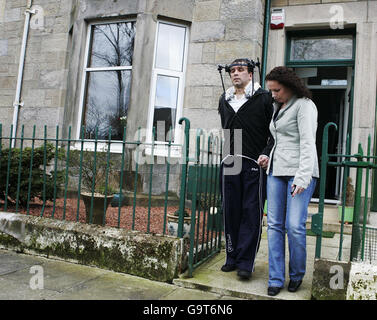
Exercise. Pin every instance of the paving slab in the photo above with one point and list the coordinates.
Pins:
(9, 263)
(190, 294)
(113, 286)
(58, 276)
(209, 277)
(69, 281)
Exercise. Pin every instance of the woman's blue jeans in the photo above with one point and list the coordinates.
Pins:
(286, 214)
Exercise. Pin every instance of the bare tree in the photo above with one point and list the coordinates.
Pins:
(112, 47)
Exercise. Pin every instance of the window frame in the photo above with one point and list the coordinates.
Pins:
(160, 147)
(89, 144)
(319, 33)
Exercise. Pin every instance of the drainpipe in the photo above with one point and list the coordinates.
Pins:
(17, 101)
(267, 14)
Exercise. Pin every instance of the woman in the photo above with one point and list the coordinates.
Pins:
(292, 171)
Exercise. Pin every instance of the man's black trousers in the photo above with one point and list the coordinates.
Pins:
(243, 197)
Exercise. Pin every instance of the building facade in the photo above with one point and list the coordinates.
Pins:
(82, 64)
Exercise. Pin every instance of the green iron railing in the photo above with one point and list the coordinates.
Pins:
(33, 179)
(206, 218)
(77, 180)
(362, 246)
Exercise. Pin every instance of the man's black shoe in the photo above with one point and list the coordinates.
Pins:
(228, 267)
(294, 285)
(273, 291)
(243, 274)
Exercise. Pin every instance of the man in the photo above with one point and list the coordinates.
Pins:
(245, 113)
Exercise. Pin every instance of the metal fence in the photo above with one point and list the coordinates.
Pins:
(206, 217)
(86, 181)
(368, 250)
(363, 241)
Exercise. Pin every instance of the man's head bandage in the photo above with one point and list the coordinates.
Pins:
(241, 63)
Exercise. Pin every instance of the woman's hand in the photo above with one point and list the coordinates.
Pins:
(263, 161)
(296, 190)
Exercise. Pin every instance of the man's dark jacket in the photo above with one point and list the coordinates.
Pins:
(253, 117)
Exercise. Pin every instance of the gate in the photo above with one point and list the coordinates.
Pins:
(200, 176)
(364, 239)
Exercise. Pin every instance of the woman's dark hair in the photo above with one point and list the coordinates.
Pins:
(289, 79)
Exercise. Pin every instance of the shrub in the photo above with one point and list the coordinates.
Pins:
(87, 171)
(37, 179)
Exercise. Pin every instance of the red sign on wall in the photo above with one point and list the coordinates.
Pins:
(277, 19)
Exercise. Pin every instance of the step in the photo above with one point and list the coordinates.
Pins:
(208, 277)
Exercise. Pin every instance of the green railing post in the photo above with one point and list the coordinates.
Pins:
(365, 200)
(1, 143)
(107, 176)
(209, 181)
(30, 171)
(199, 132)
(67, 172)
(317, 220)
(80, 172)
(167, 181)
(344, 188)
(8, 169)
(220, 195)
(19, 168)
(215, 214)
(200, 193)
(122, 173)
(150, 181)
(55, 169)
(138, 143)
(185, 158)
(355, 240)
(94, 176)
(44, 169)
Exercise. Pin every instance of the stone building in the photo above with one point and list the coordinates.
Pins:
(91, 62)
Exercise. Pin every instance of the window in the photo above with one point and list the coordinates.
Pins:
(107, 79)
(167, 82)
(321, 48)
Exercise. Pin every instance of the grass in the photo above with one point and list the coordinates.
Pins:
(325, 234)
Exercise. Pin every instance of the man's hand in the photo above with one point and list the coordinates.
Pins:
(263, 161)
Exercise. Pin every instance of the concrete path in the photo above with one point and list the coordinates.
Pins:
(19, 274)
(209, 277)
(63, 280)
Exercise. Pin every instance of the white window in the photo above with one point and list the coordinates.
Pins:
(106, 80)
(167, 87)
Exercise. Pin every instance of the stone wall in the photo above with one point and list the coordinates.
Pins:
(363, 282)
(221, 31)
(149, 256)
(45, 74)
(339, 280)
(330, 279)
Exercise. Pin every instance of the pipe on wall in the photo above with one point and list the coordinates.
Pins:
(266, 28)
(17, 100)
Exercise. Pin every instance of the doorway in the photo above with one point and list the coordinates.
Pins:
(330, 103)
(330, 87)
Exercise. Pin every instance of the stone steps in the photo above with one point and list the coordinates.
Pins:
(209, 277)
